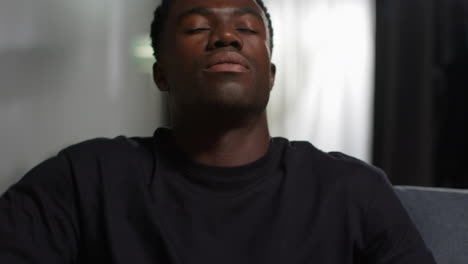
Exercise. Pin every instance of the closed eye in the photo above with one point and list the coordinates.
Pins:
(197, 30)
(247, 30)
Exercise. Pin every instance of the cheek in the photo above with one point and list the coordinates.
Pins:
(191, 44)
(186, 52)
(257, 49)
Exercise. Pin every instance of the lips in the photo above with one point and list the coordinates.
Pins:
(227, 62)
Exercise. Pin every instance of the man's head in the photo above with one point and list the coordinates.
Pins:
(213, 55)
(162, 12)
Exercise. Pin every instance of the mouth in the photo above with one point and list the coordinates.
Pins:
(231, 62)
(227, 67)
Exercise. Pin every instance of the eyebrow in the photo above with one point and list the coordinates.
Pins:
(207, 11)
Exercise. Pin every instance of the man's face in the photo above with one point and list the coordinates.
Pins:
(216, 56)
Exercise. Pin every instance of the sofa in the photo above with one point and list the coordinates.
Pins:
(441, 215)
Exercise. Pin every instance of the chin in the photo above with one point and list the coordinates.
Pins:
(236, 105)
(224, 111)
(236, 95)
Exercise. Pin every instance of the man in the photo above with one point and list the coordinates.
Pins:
(216, 188)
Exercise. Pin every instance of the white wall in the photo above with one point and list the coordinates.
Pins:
(68, 73)
(324, 52)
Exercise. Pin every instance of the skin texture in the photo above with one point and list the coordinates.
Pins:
(217, 111)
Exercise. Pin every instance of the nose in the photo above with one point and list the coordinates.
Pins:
(225, 36)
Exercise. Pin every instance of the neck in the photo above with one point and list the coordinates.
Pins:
(209, 143)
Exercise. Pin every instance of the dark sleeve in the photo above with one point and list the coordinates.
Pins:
(37, 216)
(391, 236)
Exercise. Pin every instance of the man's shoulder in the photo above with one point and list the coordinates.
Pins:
(108, 147)
(341, 177)
(308, 152)
(96, 159)
(333, 165)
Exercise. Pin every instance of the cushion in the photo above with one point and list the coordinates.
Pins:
(441, 215)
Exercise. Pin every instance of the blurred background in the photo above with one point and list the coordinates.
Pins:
(383, 80)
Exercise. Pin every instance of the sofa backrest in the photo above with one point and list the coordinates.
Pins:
(441, 215)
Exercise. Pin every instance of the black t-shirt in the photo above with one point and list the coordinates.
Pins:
(141, 201)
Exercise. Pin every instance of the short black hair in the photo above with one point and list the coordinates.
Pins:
(162, 12)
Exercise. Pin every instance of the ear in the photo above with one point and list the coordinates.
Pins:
(159, 78)
(272, 75)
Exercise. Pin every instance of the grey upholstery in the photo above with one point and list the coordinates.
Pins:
(441, 215)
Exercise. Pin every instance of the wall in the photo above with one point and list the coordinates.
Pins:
(324, 53)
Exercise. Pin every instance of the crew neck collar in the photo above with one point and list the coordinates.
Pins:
(225, 180)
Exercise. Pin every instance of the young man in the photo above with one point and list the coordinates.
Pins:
(216, 188)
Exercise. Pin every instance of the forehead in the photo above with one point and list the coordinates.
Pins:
(179, 7)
